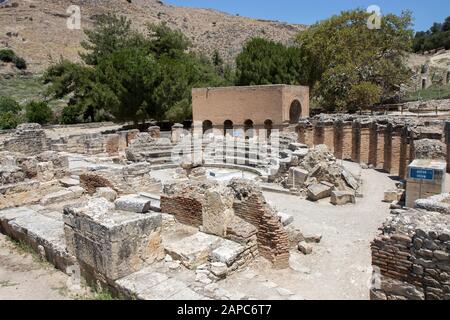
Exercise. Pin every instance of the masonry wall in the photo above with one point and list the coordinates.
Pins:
(411, 258)
(256, 103)
(186, 210)
(382, 144)
(272, 239)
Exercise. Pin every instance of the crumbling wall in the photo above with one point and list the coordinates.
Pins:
(250, 205)
(411, 257)
(237, 211)
(28, 138)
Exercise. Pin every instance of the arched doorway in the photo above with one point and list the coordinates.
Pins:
(268, 126)
(207, 126)
(248, 129)
(228, 127)
(295, 112)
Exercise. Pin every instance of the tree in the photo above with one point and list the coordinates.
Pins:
(341, 52)
(127, 79)
(438, 36)
(9, 113)
(9, 105)
(130, 75)
(164, 41)
(111, 33)
(38, 112)
(264, 62)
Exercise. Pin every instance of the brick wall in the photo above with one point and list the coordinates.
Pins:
(273, 242)
(186, 210)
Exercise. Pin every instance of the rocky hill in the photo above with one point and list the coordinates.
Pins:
(36, 29)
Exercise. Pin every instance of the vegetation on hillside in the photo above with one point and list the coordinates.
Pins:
(7, 55)
(437, 37)
(347, 65)
(131, 76)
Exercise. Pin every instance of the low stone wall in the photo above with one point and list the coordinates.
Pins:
(411, 257)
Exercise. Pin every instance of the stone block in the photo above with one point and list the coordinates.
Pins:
(227, 253)
(305, 248)
(133, 203)
(107, 193)
(112, 243)
(339, 198)
(286, 219)
(318, 191)
(62, 195)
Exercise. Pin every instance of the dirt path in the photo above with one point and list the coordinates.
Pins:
(340, 266)
(24, 277)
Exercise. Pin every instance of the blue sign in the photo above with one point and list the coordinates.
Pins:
(422, 174)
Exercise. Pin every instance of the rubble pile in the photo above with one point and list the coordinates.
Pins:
(315, 173)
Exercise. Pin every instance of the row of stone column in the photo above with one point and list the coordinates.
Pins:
(385, 146)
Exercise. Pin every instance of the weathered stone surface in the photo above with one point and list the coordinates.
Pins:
(391, 195)
(227, 253)
(63, 195)
(351, 181)
(107, 193)
(112, 243)
(339, 198)
(305, 248)
(69, 182)
(194, 250)
(286, 219)
(318, 191)
(133, 203)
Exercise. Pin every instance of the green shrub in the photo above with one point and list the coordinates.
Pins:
(7, 55)
(9, 120)
(20, 63)
(38, 112)
(8, 104)
(71, 115)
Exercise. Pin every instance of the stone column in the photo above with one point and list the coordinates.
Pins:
(364, 144)
(387, 165)
(396, 150)
(356, 142)
(177, 132)
(405, 153)
(373, 143)
(338, 135)
(381, 131)
(155, 132)
(347, 140)
(328, 133)
(447, 142)
(318, 133)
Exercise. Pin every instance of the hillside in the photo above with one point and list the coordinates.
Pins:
(36, 29)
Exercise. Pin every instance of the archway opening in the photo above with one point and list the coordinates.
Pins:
(207, 126)
(248, 129)
(228, 128)
(268, 126)
(295, 112)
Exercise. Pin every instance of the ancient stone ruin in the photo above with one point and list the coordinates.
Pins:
(158, 215)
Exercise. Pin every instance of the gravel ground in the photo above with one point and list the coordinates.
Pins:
(24, 277)
(340, 266)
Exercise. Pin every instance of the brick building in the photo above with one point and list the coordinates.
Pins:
(258, 107)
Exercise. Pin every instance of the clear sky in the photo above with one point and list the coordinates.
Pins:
(425, 12)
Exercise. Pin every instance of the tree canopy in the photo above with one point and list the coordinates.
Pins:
(438, 36)
(130, 75)
(345, 58)
(267, 62)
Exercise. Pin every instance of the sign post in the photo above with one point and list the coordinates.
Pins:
(422, 174)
